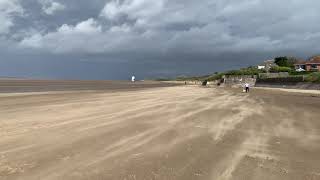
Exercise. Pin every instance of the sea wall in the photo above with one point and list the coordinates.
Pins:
(239, 81)
(289, 85)
(297, 82)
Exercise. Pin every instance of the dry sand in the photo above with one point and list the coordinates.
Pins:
(304, 91)
(168, 133)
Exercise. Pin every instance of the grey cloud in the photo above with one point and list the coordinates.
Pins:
(50, 7)
(166, 30)
(248, 24)
(8, 10)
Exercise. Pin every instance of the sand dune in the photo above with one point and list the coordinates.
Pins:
(180, 133)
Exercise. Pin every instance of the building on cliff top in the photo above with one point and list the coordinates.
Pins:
(313, 64)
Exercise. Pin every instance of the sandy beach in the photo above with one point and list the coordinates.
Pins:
(159, 133)
(24, 85)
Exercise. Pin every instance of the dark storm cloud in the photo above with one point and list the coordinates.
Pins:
(170, 37)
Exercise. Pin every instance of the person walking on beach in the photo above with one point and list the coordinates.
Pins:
(133, 79)
(247, 87)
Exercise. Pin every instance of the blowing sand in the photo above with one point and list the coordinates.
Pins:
(167, 133)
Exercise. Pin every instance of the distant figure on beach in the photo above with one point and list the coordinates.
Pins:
(204, 83)
(133, 79)
(247, 87)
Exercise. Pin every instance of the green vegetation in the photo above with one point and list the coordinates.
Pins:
(313, 77)
(164, 79)
(215, 77)
(295, 73)
(195, 78)
(278, 69)
(245, 71)
(285, 64)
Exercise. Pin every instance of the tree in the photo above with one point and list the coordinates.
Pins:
(281, 61)
(285, 61)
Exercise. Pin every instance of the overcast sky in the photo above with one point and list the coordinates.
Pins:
(113, 39)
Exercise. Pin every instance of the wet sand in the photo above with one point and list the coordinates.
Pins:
(166, 133)
(23, 85)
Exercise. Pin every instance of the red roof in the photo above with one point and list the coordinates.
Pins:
(314, 60)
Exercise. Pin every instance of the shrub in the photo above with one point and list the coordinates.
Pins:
(215, 77)
(246, 71)
(163, 79)
(295, 73)
(313, 77)
(191, 78)
(277, 69)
